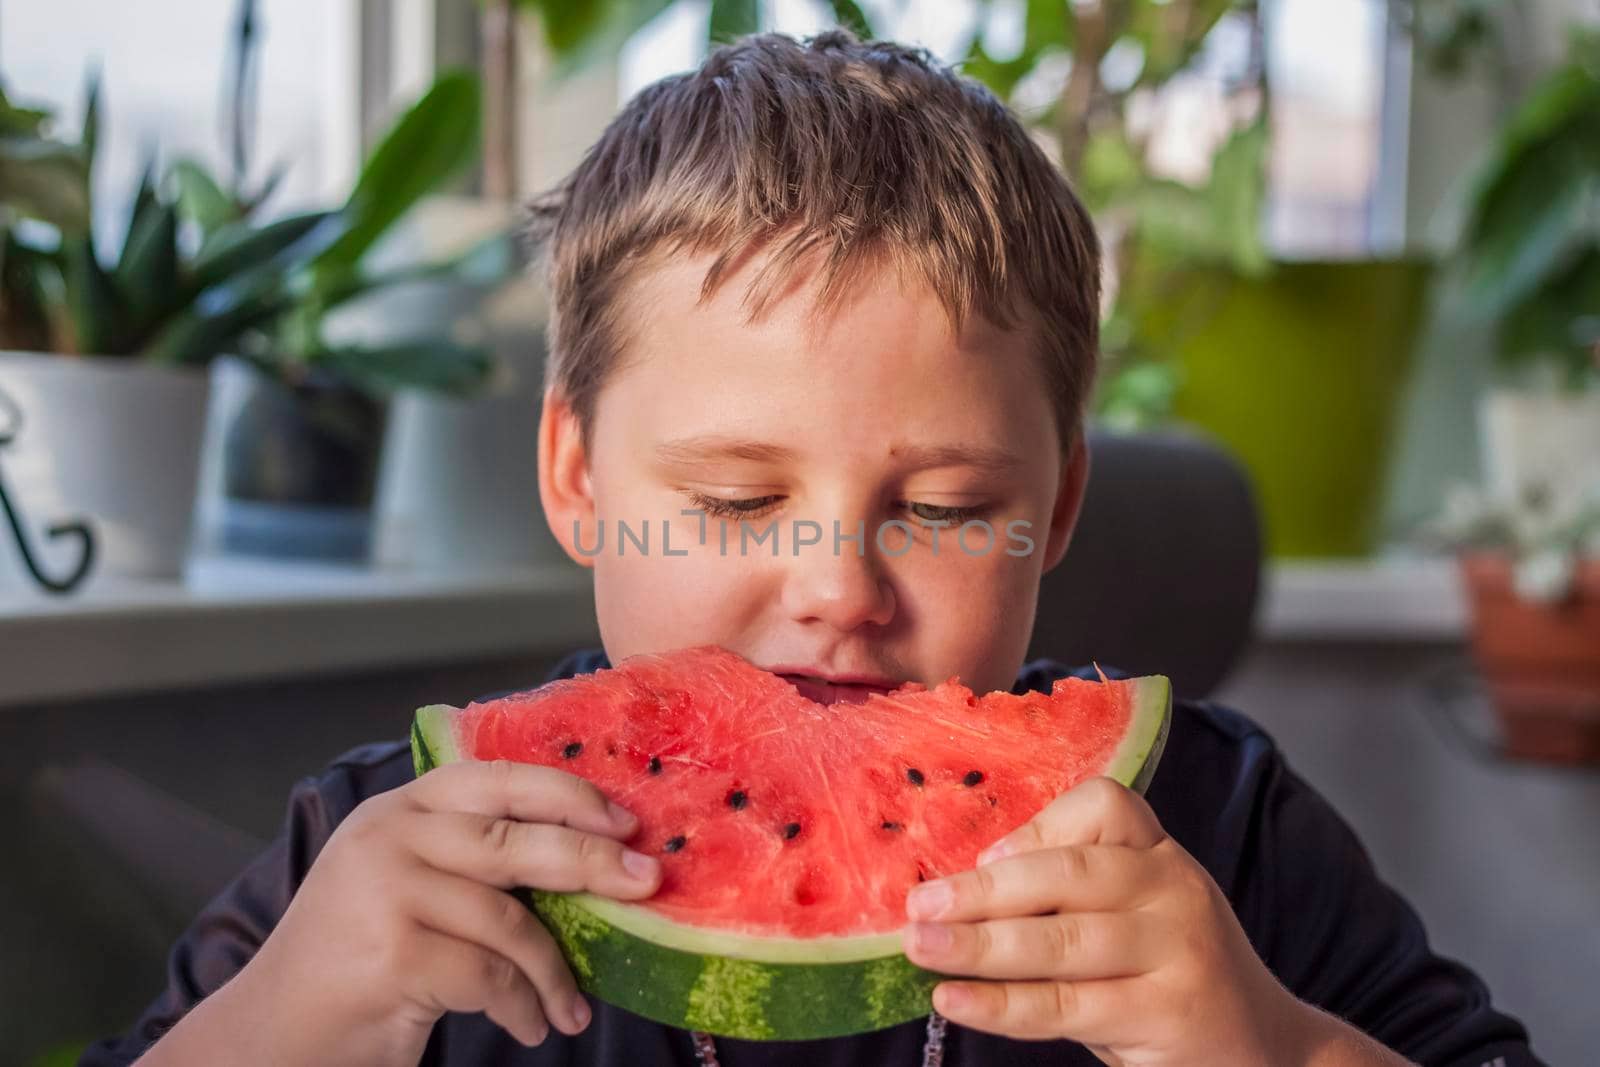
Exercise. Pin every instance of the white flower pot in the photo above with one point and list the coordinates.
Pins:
(113, 442)
(1542, 437)
(459, 488)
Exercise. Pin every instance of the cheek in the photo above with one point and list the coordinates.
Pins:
(971, 615)
(653, 602)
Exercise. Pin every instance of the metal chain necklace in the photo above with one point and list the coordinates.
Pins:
(705, 1050)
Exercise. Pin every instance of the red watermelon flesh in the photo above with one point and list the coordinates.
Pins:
(776, 815)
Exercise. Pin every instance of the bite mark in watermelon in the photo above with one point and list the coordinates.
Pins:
(789, 832)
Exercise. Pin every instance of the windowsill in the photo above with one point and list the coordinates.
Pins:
(1401, 599)
(239, 621)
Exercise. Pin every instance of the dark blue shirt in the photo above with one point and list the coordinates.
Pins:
(1299, 881)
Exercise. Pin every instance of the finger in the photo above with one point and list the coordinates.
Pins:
(1075, 947)
(1072, 878)
(506, 854)
(1084, 1011)
(522, 791)
(500, 922)
(1097, 811)
(455, 975)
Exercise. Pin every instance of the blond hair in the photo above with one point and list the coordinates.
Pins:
(854, 152)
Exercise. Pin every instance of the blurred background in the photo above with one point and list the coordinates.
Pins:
(270, 365)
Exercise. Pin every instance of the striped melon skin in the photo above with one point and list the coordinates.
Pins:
(755, 988)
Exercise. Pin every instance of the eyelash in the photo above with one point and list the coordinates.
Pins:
(749, 507)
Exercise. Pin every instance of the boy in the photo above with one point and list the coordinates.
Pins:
(829, 284)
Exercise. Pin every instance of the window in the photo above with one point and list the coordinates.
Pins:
(163, 69)
(1338, 76)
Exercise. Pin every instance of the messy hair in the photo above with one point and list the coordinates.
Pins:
(846, 153)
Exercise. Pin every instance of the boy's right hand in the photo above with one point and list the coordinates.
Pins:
(404, 915)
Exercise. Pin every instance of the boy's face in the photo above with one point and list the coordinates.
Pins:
(878, 413)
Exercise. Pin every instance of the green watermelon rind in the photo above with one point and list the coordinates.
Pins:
(755, 988)
(1135, 760)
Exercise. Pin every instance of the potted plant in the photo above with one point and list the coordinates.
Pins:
(1530, 563)
(1530, 257)
(1298, 367)
(99, 360)
(1529, 541)
(307, 397)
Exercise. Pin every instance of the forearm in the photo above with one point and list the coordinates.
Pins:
(245, 1024)
(1335, 1043)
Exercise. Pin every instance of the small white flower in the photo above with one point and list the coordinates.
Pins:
(1546, 576)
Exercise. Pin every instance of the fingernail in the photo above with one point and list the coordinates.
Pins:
(929, 900)
(997, 851)
(639, 865)
(933, 937)
(619, 814)
(950, 998)
(580, 1012)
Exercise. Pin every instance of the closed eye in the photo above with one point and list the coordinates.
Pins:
(723, 508)
(748, 507)
(941, 513)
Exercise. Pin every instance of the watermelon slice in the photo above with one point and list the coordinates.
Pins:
(790, 831)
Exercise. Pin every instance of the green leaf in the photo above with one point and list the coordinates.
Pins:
(213, 324)
(1561, 319)
(1220, 223)
(1048, 28)
(1531, 225)
(580, 31)
(29, 280)
(433, 140)
(238, 247)
(732, 19)
(1172, 34)
(145, 204)
(200, 199)
(89, 138)
(97, 311)
(147, 277)
(1110, 168)
(848, 13)
(21, 121)
(1237, 191)
(486, 263)
(45, 181)
(438, 365)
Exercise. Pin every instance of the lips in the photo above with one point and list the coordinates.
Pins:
(837, 690)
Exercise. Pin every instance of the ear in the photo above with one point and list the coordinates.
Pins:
(565, 490)
(1069, 500)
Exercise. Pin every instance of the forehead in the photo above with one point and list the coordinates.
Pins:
(885, 363)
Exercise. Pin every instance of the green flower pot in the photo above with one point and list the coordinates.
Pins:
(1300, 373)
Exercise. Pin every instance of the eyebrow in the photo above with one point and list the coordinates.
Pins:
(717, 446)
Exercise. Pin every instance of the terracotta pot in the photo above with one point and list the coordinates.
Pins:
(1541, 661)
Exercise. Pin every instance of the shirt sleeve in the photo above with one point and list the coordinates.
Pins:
(229, 930)
(1340, 938)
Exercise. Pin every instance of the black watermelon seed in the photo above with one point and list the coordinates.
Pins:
(676, 843)
(736, 799)
(655, 764)
(972, 778)
(572, 750)
(915, 776)
(791, 831)
(993, 802)
(891, 826)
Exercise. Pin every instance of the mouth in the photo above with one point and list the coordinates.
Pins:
(846, 690)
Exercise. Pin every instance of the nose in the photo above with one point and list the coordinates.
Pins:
(841, 586)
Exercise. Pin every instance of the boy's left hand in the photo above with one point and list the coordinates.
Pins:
(1092, 924)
